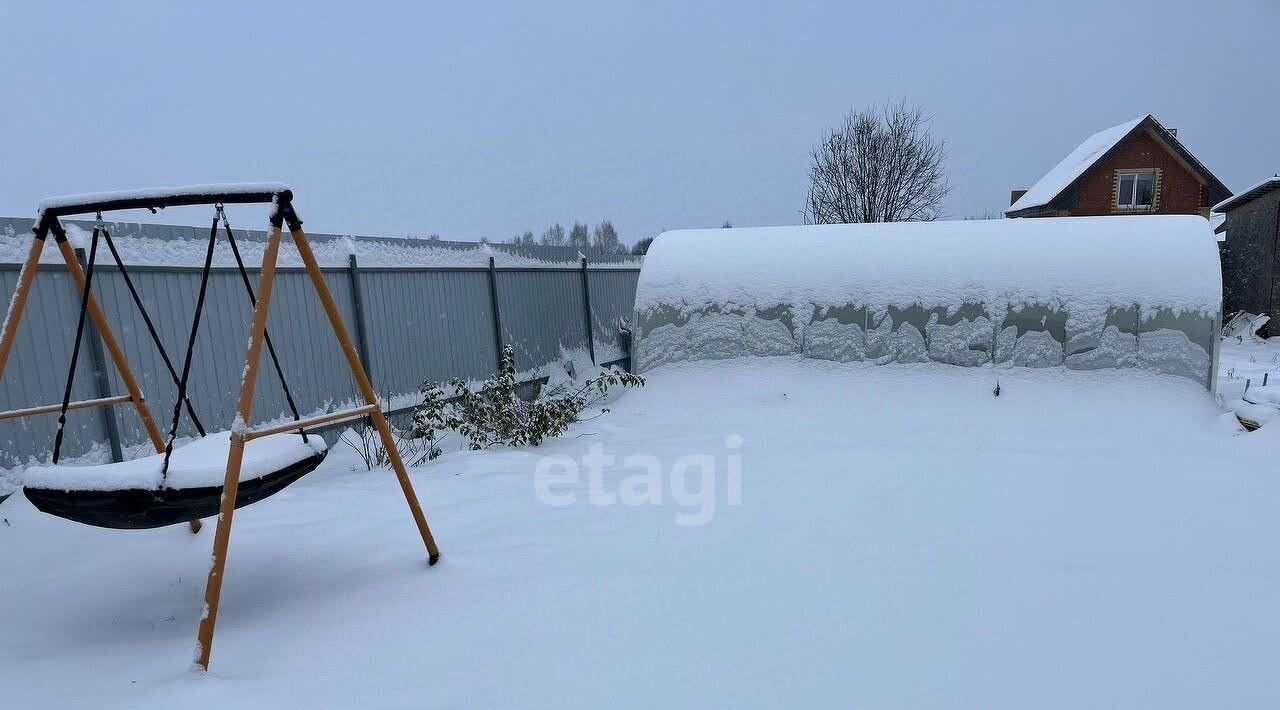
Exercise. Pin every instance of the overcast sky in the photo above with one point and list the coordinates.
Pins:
(474, 119)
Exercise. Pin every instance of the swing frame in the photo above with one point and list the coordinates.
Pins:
(283, 214)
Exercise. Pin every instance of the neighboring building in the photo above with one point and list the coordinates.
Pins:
(1249, 256)
(1138, 167)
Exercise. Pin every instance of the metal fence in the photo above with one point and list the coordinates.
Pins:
(412, 324)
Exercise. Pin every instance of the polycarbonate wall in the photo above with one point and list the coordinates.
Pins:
(1018, 336)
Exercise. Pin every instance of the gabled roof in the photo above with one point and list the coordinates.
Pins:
(1074, 165)
(1258, 190)
(1093, 150)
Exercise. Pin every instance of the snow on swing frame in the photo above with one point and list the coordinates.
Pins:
(1074, 292)
(196, 465)
(266, 458)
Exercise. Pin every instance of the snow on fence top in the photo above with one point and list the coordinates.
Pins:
(1095, 262)
(1083, 291)
(184, 246)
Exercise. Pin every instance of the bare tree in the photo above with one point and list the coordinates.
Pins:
(580, 236)
(554, 236)
(880, 165)
(606, 239)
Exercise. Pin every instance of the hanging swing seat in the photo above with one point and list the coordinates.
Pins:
(135, 495)
(218, 472)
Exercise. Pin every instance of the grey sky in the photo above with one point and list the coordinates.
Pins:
(478, 120)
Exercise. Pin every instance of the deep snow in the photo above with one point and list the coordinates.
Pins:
(904, 539)
(1248, 363)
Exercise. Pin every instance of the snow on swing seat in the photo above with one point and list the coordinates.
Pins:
(199, 464)
(133, 495)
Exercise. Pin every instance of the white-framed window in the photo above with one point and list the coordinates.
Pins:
(1136, 190)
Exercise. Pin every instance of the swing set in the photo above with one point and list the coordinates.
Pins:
(173, 485)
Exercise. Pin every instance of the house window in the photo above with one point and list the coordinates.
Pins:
(1136, 190)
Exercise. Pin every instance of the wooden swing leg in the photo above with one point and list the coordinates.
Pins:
(9, 331)
(366, 390)
(235, 457)
(113, 347)
(117, 355)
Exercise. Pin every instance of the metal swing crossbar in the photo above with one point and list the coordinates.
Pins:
(282, 214)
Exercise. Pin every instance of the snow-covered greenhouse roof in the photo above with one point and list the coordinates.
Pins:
(1077, 292)
(1158, 261)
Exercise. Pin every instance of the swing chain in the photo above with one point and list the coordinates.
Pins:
(75, 350)
(146, 318)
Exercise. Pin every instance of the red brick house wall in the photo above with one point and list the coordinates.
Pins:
(1177, 189)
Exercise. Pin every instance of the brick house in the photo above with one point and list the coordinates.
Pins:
(1137, 167)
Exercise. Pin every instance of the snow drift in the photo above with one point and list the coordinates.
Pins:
(1083, 293)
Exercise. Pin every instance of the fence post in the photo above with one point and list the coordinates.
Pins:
(586, 312)
(357, 303)
(497, 315)
(102, 384)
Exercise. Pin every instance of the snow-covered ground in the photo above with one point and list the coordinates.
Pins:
(867, 536)
(1249, 361)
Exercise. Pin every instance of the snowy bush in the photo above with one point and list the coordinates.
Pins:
(492, 415)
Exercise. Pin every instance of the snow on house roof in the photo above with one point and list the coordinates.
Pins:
(1258, 189)
(1074, 165)
(1085, 263)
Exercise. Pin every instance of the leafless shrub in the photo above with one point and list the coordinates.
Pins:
(363, 438)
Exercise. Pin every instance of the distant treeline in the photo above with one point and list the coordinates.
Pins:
(603, 236)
